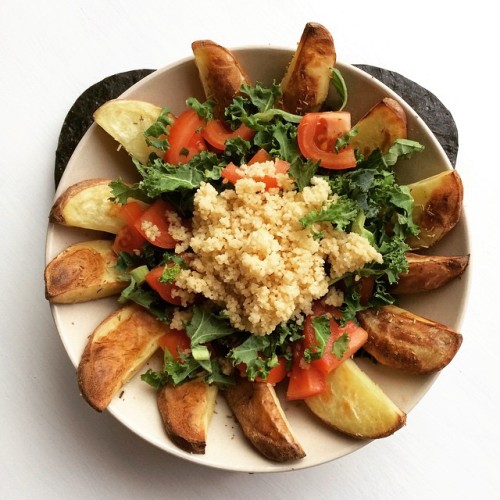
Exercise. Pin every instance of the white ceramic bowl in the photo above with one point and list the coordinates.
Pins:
(97, 156)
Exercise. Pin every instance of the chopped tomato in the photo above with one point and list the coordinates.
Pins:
(216, 133)
(131, 211)
(260, 157)
(275, 375)
(175, 341)
(305, 380)
(164, 290)
(153, 224)
(233, 174)
(356, 337)
(128, 240)
(317, 135)
(281, 167)
(185, 138)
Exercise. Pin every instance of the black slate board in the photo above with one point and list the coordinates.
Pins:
(79, 118)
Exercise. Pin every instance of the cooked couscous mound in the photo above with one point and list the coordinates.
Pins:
(255, 260)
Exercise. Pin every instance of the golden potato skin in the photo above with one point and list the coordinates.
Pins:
(114, 353)
(220, 73)
(355, 405)
(186, 411)
(405, 341)
(84, 271)
(258, 411)
(307, 79)
(428, 272)
(380, 127)
(86, 204)
(437, 207)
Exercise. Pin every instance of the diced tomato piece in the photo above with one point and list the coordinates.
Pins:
(304, 380)
(153, 224)
(185, 138)
(317, 135)
(216, 133)
(357, 336)
(233, 174)
(128, 240)
(164, 290)
(260, 157)
(131, 211)
(276, 374)
(176, 342)
(281, 167)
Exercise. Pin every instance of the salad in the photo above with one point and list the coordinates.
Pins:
(260, 237)
(203, 154)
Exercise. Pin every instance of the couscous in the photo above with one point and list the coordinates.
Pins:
(255, 260)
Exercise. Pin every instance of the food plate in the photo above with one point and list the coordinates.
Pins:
(97, 155)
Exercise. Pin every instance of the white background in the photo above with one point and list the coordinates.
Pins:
(52, 445)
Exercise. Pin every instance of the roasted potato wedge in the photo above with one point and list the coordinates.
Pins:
(259, 413)
(437, 207)
(307, 79)
(380, 127)
(114, 353)
(84, 271)
(186, 411)
(400, 339)
(428, 272)
(355, 405)
(126, 121)
(87, 204)
(220, 73)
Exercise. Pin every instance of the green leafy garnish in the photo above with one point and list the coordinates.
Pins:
(260, 353)
(122, 192)
(159, 129)
(205, 109)
(343, 141)
(340, 213)
(253, 100)
(206, 326)
(321, 326)
(160, 177)
(340, 346)
(170, 274)
(402, 148)
(340, 86)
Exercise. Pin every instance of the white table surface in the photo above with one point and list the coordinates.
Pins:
(52, 445)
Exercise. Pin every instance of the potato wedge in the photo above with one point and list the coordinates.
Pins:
(186, 411)
(87, 204)
(400, 339)
(355, 405)
(307, 79)
(437, 207)
(84, 271)
(259, 413)
(380, 127)
(114, 353)
(428, 272)
(126, 121)
(220, 73)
